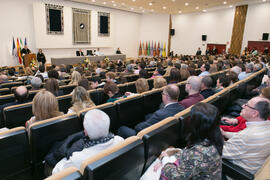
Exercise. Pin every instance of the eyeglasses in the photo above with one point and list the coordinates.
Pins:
(246, 105)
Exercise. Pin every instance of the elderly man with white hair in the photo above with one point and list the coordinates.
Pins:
(96, 139)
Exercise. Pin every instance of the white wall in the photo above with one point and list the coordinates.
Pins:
(257, 22)
(189, 28)
(154, 27)
(27, 19)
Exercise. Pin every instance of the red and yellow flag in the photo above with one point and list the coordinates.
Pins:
(19, 52)
(140, 49)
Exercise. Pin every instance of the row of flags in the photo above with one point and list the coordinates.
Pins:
(16, 51)
(152, 49)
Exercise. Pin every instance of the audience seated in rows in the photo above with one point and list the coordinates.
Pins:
(45, 106)
(111, 89)
(53, 86)
(170, 96)
(159, 82)
(141, 86)
(55, 74)
(175, 76)
(95, 82)
(201, 158)
(42, 71)
(80, 100)
(250, 147)
(184, 73)
(206, 87)
(192, 87)
(94, 139)
(3, 79)
(223, 81)
(249, 69)
(85, 84)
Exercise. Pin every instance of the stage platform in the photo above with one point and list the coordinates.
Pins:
(80, 59)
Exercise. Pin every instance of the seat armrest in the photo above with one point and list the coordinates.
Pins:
(234, 171)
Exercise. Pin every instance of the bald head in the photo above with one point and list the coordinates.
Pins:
(21, 94)
(195, 83)
(172, 91)
(3, 78)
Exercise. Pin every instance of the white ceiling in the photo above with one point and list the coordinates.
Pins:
(168, 6)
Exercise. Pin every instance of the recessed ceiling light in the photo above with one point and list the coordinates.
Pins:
(132, 9)
(93, 0)
(204, 10)
(133, 0)
(173, 0)
(224, 2)
(164, 7)
(113, 2)
(186, 4)
(141, 7)
(150, 4)
(230, 6)
(263, 0)
(197, 7)
(152, 10)
(104, 3)
(114, 5)
(143, 11)
(179, 12)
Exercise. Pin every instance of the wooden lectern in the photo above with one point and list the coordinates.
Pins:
(28, 58)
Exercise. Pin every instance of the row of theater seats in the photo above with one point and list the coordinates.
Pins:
(125, 161)
(22, 156)
(148, 102)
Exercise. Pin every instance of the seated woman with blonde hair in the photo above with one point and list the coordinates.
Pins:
(159, 82)
(141, 86)
(45, 106)
(80, 100)
(75, 78)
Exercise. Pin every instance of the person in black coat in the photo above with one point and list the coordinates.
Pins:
(41, 57)
(199, 52)
(171, 107)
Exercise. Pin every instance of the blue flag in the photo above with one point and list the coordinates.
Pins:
(25, 43)
(14, 52)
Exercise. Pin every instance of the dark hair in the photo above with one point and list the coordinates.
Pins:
(207, 66)
(21, 97)
(224, 80)
(204, 124)
(160, 70)
(177, 65)
(68, 68)
(111, 86)
(142, 65)
(52, 86)
(41, 68)
(95, 79)
(11, 72)
(53, 74)
(84, 83)
(143, 74)
(207, 81)
(263, 108)
(170, 63)
(175, 76)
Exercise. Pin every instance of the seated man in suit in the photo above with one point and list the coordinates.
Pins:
(83, 145)
(206, 87)
(250, 147)
(170, 96)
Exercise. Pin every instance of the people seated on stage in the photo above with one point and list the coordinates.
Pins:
(79, 53)
(75, 78)
(249, 70)
(159, 82)
(89, 53)
(111, 89)
(41, 71)
(45, 106)
(36, 83)
(201, 158)
(206, 87)
(110, 77)
(250, 147)
(175, 76)
(85, 144)
(207, 52)
(41, 57)
(80, 100)
(204, 68)
(99, 53)
(54, 74)
(223, 81)
(192, 87)
(199, 52)
(170, 96)
(141, 86)
(52, 86)
(118, 51)
(21, 96)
